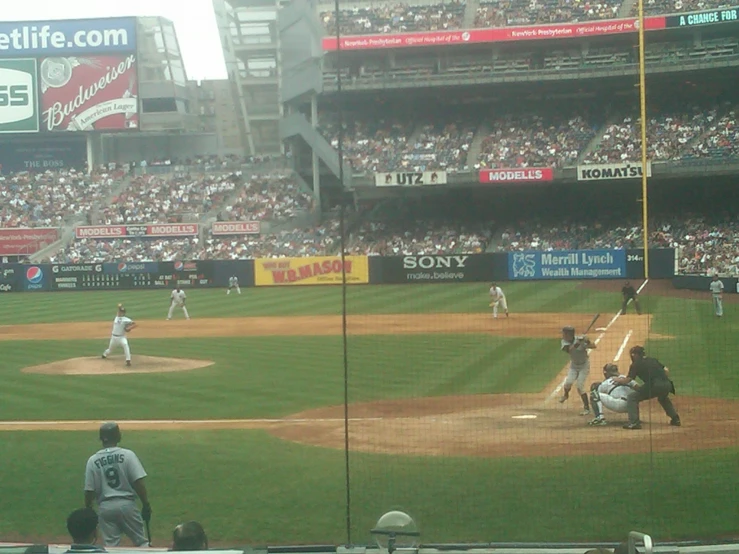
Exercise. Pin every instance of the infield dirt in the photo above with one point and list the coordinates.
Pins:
(479, 425)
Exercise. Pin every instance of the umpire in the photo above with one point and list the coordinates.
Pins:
(629, 293)
(656, 384)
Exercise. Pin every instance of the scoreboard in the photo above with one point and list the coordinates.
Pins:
(148, 275)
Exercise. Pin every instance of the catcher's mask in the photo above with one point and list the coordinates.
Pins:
(637, 351)
(610, 370)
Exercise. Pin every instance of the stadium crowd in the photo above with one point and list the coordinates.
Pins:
(267, 197)
(395, 17)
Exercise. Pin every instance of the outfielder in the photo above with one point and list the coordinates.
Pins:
(121, 326)
(608, 393)
(717, 291)
(177, 300)
(498, 299)
(114, 477)
(578, 349)
(233, 283)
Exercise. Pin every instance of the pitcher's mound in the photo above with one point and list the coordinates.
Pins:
(117, 366)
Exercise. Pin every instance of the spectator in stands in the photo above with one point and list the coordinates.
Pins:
(82, 525)
(397, 18)
(189, 536)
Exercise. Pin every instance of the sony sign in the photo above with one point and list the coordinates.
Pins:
(434, 262)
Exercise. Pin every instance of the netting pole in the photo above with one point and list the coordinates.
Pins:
(342, 238)
(643, 115)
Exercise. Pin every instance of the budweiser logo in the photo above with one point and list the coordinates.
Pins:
(79, 106)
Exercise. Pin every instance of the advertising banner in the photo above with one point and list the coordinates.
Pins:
(725, 15)
(18, 96)
(18, 241)
(410, 178)
(34, 278)
(609, 172)
(456, 268)
(235, 228)
(130, 267)
(67, 37)
(567, 264)
(91, 93)
(128, 231)
(501, 34)
(43, 153)
(520, 175)
(317, 270)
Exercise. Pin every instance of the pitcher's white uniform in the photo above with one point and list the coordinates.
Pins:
(118, 337)
(110, 474)
(717, 291)
(178, 297)
(498, 299)
(612, 396)
(233, 283)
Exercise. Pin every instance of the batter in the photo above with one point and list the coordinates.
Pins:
(578, 348)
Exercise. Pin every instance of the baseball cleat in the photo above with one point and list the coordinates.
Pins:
(563, 399)
(586, 411)
(636, 425)
(128, 363)
(104, 357)
(675, 422)
(598, 421)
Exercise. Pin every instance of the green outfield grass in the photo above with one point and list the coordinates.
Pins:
(249, 487)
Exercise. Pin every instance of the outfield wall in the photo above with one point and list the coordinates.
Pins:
(328, 270)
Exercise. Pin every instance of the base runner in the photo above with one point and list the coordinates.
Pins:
(121, 326)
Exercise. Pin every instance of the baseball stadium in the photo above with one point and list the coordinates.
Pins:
(437, 276)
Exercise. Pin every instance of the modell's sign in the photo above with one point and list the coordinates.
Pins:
(89, 93)
(129, 231)
(606, 172)
(520, 175)
(410, 178)
(235, 228)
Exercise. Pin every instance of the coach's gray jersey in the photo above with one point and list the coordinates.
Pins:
(111, 473)
(579, 358)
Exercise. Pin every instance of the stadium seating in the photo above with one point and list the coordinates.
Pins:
(267, 198)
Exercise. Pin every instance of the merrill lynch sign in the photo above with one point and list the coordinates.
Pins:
(567, 264)
(607, 172)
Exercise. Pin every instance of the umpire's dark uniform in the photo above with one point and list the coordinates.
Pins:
(629, 293)
(656, 385)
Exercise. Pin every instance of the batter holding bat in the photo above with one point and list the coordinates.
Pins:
(578, 348)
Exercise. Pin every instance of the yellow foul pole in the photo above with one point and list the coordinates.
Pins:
(643, 114)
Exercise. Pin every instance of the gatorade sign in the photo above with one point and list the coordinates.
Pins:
(18, 98)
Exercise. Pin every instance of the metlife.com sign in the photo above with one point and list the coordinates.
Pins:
(567, 264)
(68, 37)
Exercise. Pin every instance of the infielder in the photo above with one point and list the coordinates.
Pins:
(498, 299)
(121, 326)
(114, 477)
(177, 300)
(233, 283)
(717, 291)
(608, 393)
(578, 349)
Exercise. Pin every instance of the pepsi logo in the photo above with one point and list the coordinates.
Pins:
(121, 267)
(34, 275)
(179, 266)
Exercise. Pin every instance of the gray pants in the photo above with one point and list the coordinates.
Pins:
(718, 305)
(657, 389)
(119, 517)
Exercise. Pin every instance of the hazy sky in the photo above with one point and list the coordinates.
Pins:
(193, 20)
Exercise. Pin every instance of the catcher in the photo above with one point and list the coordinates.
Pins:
(121, 326)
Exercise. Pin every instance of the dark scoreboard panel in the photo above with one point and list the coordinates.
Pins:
(132, 276)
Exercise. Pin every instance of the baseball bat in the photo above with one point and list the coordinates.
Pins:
(595, 318)
(148, 533)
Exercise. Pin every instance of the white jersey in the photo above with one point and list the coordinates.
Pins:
(178, 297)
(233, 281)
(496, 293)
(717, 287)
(119, 325)
(111, 473)
(614, 390)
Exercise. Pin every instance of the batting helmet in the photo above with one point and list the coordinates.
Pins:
(569, 330)
(638, 351)
(110, 432)
(610, 370)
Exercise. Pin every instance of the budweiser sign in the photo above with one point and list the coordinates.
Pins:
(130, 231)
(519, 175)
(235, 228)
(90, 93)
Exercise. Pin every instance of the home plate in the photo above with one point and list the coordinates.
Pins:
(525, 416)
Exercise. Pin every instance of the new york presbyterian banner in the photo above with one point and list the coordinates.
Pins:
(410, 178)
(317, 270)
(567, 264)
